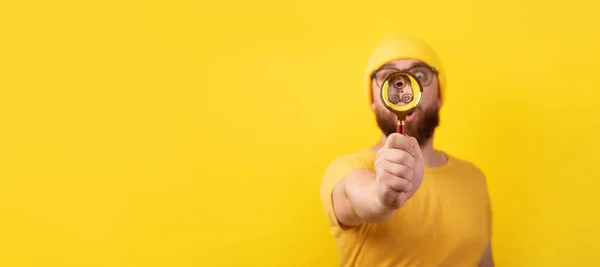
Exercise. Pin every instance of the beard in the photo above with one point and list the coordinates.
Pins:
(421, 128)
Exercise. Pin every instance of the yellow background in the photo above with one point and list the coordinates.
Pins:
(195, 133)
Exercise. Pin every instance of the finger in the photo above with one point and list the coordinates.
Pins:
(379, 165)
(399, 185)
(398, 141)
(398, 170)
(387, 194)
(397, 156)
(401, 199)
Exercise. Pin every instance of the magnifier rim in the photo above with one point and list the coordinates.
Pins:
(409, 107)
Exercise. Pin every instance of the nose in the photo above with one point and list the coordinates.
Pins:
(399, 85)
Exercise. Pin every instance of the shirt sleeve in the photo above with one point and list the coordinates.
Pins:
(334, 172)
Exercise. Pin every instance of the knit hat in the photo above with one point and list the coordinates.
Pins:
(402, 46)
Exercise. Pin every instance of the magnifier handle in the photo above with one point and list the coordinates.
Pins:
(401, 127)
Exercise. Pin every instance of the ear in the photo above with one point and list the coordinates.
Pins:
(439, 102)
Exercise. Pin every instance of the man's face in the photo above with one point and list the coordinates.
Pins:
(422, 122)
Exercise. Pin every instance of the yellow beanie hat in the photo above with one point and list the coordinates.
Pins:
(402, 46)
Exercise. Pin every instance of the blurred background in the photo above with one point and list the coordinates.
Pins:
(195, 133)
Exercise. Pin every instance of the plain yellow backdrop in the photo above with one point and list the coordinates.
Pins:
(195, 133)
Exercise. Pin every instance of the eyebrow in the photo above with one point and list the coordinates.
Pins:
(388, 65)
(416, 64)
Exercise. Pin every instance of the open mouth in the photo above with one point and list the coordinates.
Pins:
(411, 116)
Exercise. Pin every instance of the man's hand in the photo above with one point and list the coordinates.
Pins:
(367, 196)
(399, 171)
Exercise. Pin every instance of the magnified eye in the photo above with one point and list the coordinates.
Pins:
(394, 98)
(420, 75)
(406, 98)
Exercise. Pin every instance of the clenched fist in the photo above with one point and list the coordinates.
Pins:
(399, 170)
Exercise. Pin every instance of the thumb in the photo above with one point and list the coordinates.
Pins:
(389, 141)
(396, 140)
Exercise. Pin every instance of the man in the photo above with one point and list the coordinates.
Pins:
(402, 202)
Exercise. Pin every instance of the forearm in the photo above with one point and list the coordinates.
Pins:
(355, 201)
(487, 259)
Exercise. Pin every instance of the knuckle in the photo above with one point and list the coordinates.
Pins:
(380, 164)
(402, 170)
(377, 163)
(400, 186)
(409, 173)
(388, 154)
(389, 192)
(387, 177)
(398, 170)
(409, 186)
(402, 156)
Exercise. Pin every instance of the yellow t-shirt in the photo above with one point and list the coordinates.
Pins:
(447, 222)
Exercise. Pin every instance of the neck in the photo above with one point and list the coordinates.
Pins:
(432, 157)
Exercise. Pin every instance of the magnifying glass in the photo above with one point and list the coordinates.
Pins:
(401, 93)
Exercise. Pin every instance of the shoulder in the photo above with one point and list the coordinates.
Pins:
(472, 176)
(361, 159)
(469, 173)
(466, 166)
(342, 165)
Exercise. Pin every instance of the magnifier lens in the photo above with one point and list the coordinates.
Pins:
(401, 90)
(401, 93)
